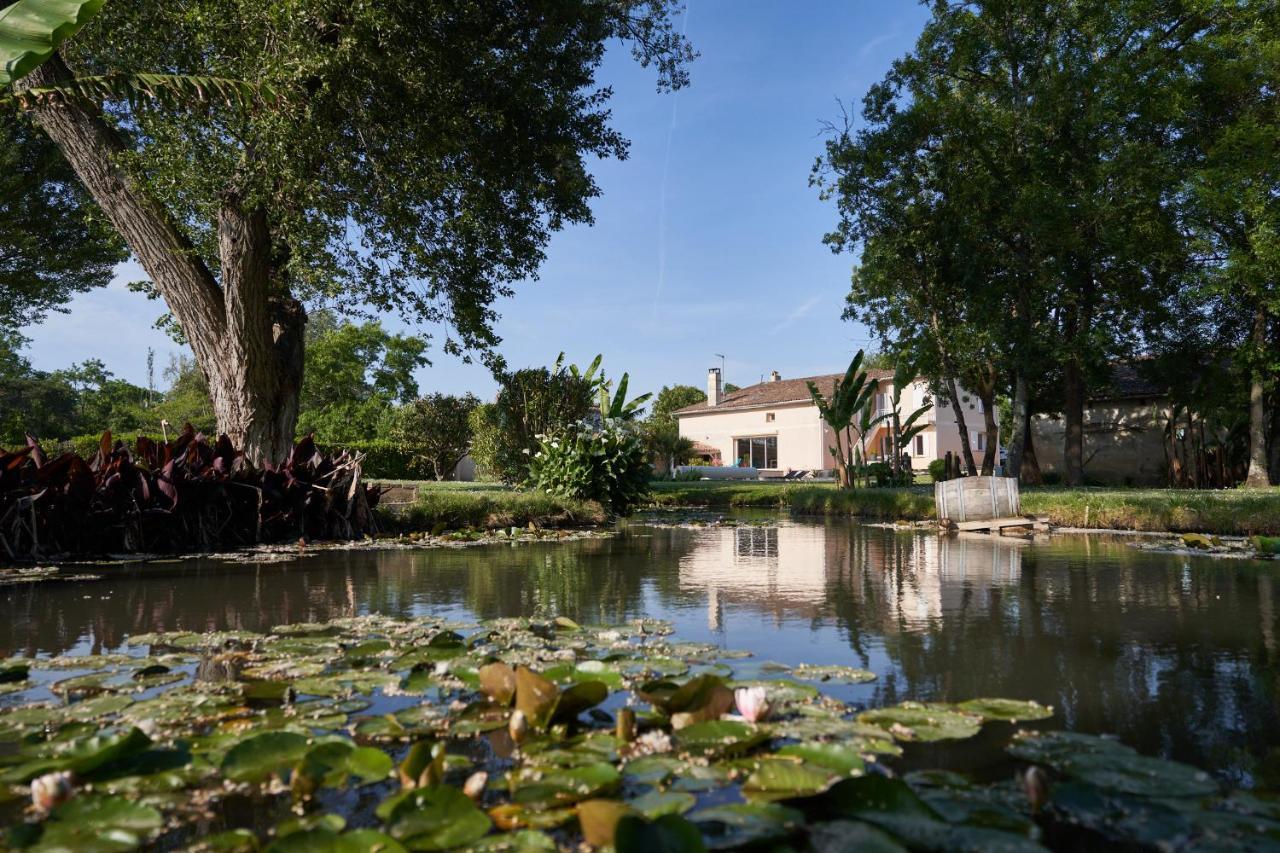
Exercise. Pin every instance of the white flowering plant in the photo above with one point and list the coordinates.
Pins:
(606, 463)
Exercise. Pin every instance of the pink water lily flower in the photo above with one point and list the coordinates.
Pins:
(752, 702)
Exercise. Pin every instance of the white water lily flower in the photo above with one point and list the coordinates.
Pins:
(752, 702)
(51, 790)
(651, 742)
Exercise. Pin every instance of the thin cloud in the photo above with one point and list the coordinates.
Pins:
(801, 311)
(870, 46)
(666, 167)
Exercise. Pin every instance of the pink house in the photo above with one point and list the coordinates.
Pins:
(774, 425)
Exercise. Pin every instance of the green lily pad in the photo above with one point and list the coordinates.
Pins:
(665, 834)
(720, 737)
(851, 836)
(914, 721)
(777, 778)
(1110, 765)
(833, 674)
(437, 818)
(738, 824)
(657, 803)
(520, 840)
(836, 757)
(1013, 710)
(257, 757)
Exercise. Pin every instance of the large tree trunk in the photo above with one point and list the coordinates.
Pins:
(992, 453)
(247, 341)
(1258, 478)
(958, 410)
(1073, 418)
(1273, 441)
(1030, 474)
(1020, 422)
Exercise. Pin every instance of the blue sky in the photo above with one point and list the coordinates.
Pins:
(708, 238)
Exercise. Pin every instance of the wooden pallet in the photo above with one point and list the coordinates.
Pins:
(996, 526)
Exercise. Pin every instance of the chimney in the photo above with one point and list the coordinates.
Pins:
(713, 386)
(775, 376)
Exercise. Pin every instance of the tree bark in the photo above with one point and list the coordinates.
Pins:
(1020, 421)
(1258, 477)
(1030, 473)
(1273, 442)
(958, 410)
(1073, 417)
(248, 344)
(992, 453)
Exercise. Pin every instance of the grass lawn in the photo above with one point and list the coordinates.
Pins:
(1231, 511)
(489, 505)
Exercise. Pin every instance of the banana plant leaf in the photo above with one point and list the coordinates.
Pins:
(31, 30)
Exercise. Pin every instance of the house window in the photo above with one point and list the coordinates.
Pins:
(757, 541)
(768, 417)
(982, 441)
(759, 452)
(919, 445)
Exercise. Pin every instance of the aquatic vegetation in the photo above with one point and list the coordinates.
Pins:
(394, 734)
(170, 496)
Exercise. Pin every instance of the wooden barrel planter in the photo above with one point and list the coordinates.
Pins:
(980, 503)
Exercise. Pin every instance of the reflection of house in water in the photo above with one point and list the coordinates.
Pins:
(810, 571)
(778, 569)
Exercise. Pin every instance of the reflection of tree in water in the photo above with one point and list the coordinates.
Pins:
(1179, 661)
(593, 580)
(1178, 657)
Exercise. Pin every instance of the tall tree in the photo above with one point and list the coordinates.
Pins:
(1017, 165)
(1230, 127)
(413, 156)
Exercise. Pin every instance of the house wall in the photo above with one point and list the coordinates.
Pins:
(803, 438)
(1123, 441)
(799, 430)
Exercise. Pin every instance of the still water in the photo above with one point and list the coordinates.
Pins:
(1177, 655)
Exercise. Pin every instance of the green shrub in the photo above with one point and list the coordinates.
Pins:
(938, 470)
(608, 465)
(458, 509)
(486, 441)
(86, 446)
(383, 460)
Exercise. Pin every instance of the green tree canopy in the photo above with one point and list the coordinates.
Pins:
(355, 374)
(436, 431)
(54, 242)
(408, 156)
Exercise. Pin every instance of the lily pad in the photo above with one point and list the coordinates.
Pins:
(258, 757)
(720, 737)
(1013, 710)
(666, 834)
(437, 818)
(657, 803)
(739, 824)
(777, 778)
(915, 721)
(833, 674)
(1110, 765)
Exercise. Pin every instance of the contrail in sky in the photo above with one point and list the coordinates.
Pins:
(662, 196)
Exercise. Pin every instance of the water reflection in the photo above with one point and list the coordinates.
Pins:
(1177, 655)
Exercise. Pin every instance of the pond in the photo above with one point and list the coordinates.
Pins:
(1177, 655)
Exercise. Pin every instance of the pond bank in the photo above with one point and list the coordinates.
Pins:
(1234, 512)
